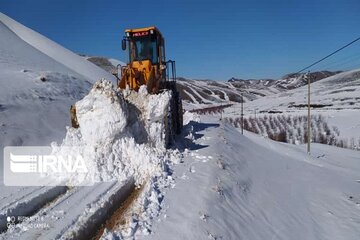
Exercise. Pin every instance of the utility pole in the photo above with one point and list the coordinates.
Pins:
(242, 114)
(309, 121)
(221, 111)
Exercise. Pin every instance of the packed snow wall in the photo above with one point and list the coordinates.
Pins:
(121, 133)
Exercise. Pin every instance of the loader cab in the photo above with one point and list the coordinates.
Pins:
(147, 64)
(144, 44)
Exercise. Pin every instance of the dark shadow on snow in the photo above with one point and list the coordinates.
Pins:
(190, 133)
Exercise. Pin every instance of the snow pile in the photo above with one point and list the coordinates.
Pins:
(115, 136)
(152, 109)
(121, 136)
(101, 114)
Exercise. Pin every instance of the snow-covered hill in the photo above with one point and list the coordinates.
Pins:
(340, 91)
(108, 64)
(54, 50)
(289, 81)
(292, 80)
(39, 80)
(214, 92)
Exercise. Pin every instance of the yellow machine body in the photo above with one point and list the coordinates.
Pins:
(146, 64)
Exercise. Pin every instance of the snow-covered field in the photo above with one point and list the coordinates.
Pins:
(247, 187)
(213, 184)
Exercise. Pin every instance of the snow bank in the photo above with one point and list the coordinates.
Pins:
(151, 110)
(121, 137)
(117, 132)
(101, 114)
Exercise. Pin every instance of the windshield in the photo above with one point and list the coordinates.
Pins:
(144, 48)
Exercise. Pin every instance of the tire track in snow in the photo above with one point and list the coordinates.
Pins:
(78, 214)
(118, 218)
(28, 206)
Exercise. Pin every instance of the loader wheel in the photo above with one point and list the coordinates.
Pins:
(168, 126)
(174, 118)
(166, 134)
(179, 113)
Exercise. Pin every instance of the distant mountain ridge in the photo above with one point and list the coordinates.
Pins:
(108, 64)
(250, 89)
(288, 81)
(233, 90)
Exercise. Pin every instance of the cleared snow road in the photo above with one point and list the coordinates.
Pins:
(78, 214)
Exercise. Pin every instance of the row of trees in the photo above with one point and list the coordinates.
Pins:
(293, 129)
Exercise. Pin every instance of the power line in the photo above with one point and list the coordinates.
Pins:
(329, 55)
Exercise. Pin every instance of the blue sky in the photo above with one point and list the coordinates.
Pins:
(207, 38)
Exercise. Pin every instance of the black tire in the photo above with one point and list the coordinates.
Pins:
(174, 117)
(167, 129)
(179, 113)
(170, 124)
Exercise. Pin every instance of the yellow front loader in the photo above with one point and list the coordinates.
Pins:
(147, 65)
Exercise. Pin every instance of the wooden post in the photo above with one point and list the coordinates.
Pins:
(309, 120)
(242, 114)
(221, 111)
